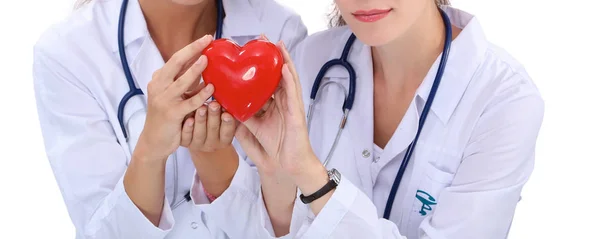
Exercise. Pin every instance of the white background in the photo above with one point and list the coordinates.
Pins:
(557, 41)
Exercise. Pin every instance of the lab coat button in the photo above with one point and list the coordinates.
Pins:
(366, 153)
(194, 225)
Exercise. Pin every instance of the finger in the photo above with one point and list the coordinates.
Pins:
(194, 90)
(157, 84)
(187, 132)
(250, 145)
(254, 122)
(290, 64)
(262, 110)
(182, 57)
(196, 100)
(187, 80)
(286, 56)
(264, 37)
(227, 128)
(289, 88)
(200, 126)
(214, 123)
(284, 52)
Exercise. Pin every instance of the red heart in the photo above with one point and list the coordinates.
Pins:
(244, 77)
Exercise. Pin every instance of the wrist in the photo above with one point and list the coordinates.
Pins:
(268, 171)
(142, 155)
(220, 157)
(216, 170)
(145, 149)
(311, 178)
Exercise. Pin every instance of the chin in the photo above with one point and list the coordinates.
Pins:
(373, 36)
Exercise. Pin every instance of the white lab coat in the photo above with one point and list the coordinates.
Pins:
(473, 157)
(78, 85)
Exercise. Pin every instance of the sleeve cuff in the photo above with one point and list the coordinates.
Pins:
(340, 203)
(298, 217)
(265, 222)
(136, 222)
(236, 206)
(244, 179)
(166, 217)
(197, 193)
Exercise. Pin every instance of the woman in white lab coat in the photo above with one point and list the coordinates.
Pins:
(140, 187)
(474, 154)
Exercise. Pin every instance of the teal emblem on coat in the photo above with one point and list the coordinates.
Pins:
(427, 201)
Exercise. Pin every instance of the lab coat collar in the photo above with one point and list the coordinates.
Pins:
(148, 58)
(146, 62)
(466, 53)
(135, 23)
(240, 20)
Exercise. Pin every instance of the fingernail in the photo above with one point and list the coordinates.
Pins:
(189, 123)
(202, 111)
(227, 119)
(214, 107)
(201, 60)
(285, 69)
(208, 88)
(204, 38)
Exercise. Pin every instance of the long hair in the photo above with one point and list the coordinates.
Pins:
(336, 20)
(80, 3)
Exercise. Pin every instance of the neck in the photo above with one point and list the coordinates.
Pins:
(173, 26)
(403, 63)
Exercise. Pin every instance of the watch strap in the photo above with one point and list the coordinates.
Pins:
(330, 185)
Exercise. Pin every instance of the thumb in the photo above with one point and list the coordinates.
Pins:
(263, 37)
(291, 97)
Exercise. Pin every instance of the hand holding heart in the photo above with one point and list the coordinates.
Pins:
(167, 106)
(262, 76)
(278, 137)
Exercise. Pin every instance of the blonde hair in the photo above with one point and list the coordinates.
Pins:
(80, 3)
(336, 20)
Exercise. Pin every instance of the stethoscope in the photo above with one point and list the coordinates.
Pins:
(349, 101)
(133, 90)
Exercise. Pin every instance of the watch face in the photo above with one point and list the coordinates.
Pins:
(335, 176)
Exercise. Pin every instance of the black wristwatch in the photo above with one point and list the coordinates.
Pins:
(334, 181)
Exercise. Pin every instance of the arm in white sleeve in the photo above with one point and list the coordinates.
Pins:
(482, 198)
(85, 157)
(497, 162)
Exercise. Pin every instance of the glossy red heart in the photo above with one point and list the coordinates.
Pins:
(244, 77)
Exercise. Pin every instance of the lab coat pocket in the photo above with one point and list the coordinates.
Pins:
(426, 195)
